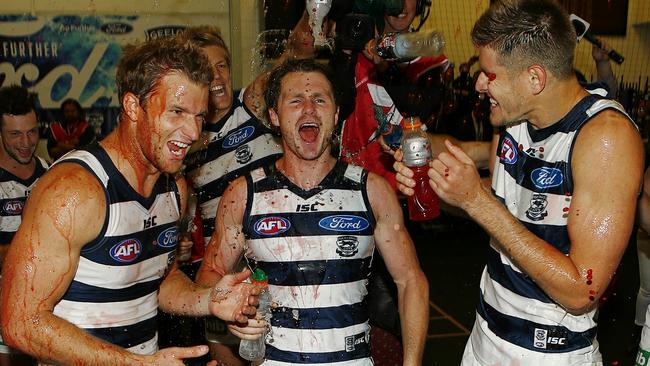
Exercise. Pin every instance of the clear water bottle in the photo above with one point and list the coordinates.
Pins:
(254, 350)
(423, 204)
(317, 10)
(407, 45)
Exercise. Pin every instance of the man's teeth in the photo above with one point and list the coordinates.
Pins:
(493, 102)
(182, 146)
(216, 89)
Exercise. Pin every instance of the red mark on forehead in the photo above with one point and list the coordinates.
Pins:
(491, 76)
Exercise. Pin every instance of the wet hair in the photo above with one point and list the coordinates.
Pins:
(16, 100)
(274, 83)
(75, 103)
(528, 32)
(143, 65)
(205, 36)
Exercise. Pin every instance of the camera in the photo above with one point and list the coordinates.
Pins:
(353, 31)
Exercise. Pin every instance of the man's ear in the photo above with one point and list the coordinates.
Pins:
(275, 120)
(131, 104)
(536, 78)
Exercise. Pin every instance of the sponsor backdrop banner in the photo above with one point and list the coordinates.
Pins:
(62, 56)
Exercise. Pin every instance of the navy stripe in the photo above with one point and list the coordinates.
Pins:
(514, 281)
(356, 351)
(325, 272)
(6, 237)
(313, 224)
(127, 336)
(321, 318)
(523, 169)
(81, 292)
(522, 332)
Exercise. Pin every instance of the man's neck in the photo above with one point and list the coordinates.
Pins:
(22, 171)
(306, 174)
(123, 149)
(555, 103)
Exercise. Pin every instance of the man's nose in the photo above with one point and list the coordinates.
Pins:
(481, 83)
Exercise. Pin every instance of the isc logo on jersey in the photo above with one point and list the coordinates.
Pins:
(273, 225)
(13, 207)
(237, 137)
(168, 238)
(126, 251)
(344, 223)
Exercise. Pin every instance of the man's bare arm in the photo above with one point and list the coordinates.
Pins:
(226, 245)
(397, 250)
(607, 168)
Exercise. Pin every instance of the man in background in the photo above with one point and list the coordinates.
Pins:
(72, 132)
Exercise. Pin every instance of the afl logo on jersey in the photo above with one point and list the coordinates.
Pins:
(509, 153)
(238, 137)
(345, 223)
(168, 238)
(13, 207)
(126, 251)
(273, 225)
(546, 177)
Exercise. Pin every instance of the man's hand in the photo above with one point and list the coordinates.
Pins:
(234, 300)
(454, 177)
(174, 356)
(600, 54)
(184, 250)
(404, 176)
(251, 330)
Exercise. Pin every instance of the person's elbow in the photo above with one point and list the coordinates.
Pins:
(15, 328)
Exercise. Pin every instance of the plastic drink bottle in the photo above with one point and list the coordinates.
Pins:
(254, 350)
(422, 205)
(317, 10)
(407, 45)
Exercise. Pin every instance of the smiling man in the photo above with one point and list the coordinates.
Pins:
(19, 171)
(567, 171)
(311, 223)
(99, 230)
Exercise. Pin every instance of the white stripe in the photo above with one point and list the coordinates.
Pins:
(146, 348)
(209, 209)
(489, 349)
(319, 296)
(314, 340)
(512, 304)
(359, 362)
(264, 145)
(353, 173)
(117, 277)
(127, 217)
(13, 189)
(316, 248)
(90, 160)
(283, 200)
(9, 223)
(108, 314)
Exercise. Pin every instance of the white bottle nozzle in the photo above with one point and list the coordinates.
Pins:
(317, 10)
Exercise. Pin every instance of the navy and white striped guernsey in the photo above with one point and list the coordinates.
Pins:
(316, 247)
(516, 319)
(13, 194)
(114, 293)
(237, 144)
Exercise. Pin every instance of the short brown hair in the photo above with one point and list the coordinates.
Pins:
(143, 65)
(205, 36)
(527, 32)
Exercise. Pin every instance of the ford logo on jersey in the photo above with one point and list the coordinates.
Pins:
(126, 251)
(546, 177)
(13, 207)
(168, 238)
(346, 223)
(273, 225)
(509, 153)
(237, 137)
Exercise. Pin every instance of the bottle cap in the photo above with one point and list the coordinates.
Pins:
(259, 277)
(412, 123)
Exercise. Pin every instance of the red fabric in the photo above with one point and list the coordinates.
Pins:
(199, 244)
(69, 133)
(386, 349)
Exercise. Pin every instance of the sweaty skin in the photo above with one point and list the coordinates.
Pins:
(67, 209)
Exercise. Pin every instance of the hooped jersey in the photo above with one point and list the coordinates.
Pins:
(316, 247)
(114, 293)
(533, 179)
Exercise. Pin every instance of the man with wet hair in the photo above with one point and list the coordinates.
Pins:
(19, 171)
(567, 169)
(311, 223)
(99, 231)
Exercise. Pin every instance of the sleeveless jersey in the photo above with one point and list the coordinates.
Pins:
(516, 319)
(13, 194)
(316, 247)
(237, 144)
(114, 293)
